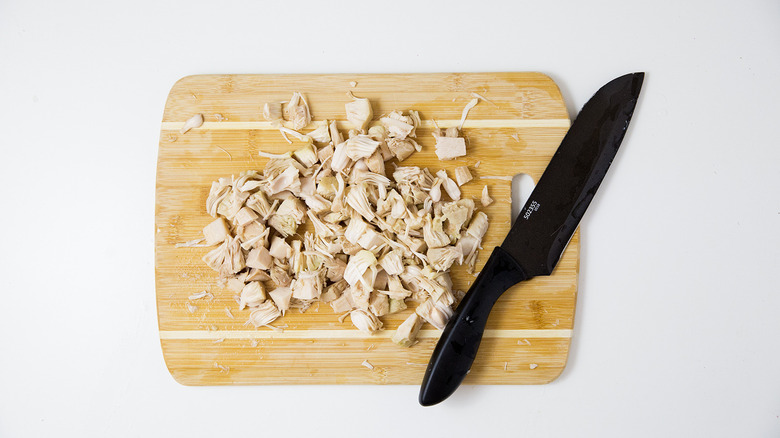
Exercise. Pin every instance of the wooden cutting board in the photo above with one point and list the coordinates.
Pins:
(516, 131)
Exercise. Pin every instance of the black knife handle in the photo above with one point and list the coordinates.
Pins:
(457, 347)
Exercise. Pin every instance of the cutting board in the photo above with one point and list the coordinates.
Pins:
(516, 130)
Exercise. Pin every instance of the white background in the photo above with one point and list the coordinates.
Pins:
(678, 319)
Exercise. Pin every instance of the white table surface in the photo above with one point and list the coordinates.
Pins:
(677, 330)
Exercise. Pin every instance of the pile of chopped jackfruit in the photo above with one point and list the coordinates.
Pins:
(384, 235)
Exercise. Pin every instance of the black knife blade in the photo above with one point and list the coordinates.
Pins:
(541, 231)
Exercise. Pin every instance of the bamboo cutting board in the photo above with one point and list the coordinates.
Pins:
(516, 131)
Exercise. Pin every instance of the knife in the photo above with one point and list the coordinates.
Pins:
(541, 231)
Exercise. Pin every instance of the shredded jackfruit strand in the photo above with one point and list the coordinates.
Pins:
(466, 110)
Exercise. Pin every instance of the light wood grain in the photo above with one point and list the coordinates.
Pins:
(516, 132)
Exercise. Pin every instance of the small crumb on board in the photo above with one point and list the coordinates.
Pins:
(201, 294)
(196, 243)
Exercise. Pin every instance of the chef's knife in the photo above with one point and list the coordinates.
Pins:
(541, 231)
